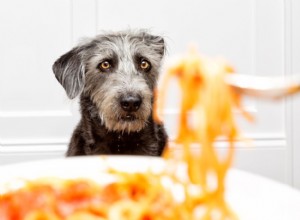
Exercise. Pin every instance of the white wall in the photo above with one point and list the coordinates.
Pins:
(293, 67)
(258, 37)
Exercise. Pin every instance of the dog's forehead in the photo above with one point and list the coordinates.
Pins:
(122, 44)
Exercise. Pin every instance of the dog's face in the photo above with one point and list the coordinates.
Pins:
(118, 71)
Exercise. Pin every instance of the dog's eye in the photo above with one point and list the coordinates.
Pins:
(105, 65)
(145, 65)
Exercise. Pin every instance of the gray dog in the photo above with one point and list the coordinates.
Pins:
(115, 75)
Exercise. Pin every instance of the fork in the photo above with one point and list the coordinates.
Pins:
(264, 87)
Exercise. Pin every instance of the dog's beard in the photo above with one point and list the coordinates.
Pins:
(115, 119)
(121, 125)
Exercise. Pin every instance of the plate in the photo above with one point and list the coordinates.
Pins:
(251, 196)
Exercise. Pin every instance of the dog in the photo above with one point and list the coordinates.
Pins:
(115, 75)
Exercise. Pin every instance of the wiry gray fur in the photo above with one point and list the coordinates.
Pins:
(100, 92)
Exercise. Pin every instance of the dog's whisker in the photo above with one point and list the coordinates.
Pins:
(102, 118)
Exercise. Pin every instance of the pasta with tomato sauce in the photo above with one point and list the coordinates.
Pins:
(206, 114)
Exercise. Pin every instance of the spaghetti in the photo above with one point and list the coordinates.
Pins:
(206, 95)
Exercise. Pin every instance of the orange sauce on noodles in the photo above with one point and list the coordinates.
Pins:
(206, 114)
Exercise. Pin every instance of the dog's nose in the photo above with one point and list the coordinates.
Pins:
(131, 103)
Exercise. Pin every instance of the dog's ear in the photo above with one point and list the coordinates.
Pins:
(157, 42)
(69, 70)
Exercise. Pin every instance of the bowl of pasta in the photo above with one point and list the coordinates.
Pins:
(128, 187)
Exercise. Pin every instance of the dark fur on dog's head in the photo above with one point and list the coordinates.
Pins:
(80, 72)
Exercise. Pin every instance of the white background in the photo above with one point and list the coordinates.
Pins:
(257, 36)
